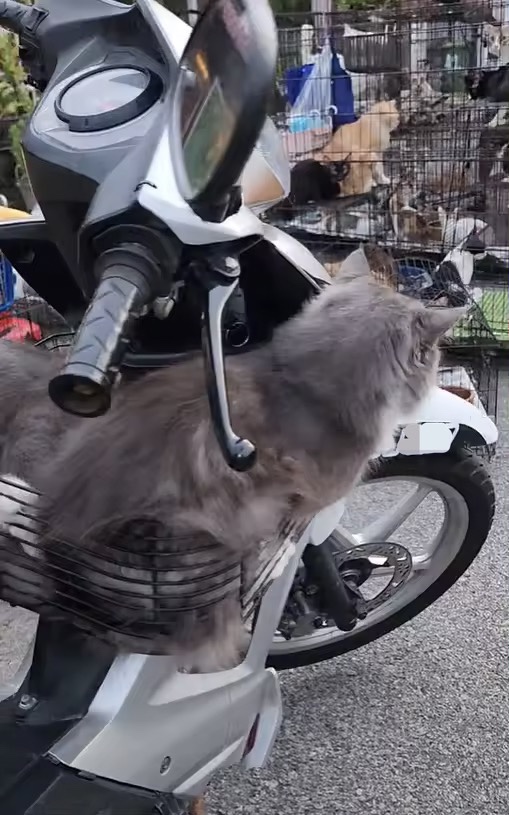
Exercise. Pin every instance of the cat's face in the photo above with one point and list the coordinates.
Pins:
(339, 170)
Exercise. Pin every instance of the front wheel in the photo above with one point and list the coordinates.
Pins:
(442, 515)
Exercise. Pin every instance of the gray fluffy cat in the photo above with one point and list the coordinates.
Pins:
(321, 398)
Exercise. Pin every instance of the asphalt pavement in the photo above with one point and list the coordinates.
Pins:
(414, 724)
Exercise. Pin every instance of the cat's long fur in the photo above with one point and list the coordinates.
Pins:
(364, 142)
(318, 401)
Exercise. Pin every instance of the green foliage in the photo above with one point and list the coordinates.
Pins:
(16, 131)
(16, 100)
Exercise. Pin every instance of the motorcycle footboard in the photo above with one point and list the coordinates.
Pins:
(31, 783)
(21, 747)
(66, 672)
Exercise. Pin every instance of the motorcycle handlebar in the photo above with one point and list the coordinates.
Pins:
(85, 384)
(18, 17)
(12, 15)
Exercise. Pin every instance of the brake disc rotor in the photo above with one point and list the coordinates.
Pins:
(394, 557)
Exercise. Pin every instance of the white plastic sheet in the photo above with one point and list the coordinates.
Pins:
(310, 119)
(315, 97)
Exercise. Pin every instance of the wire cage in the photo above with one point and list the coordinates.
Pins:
(490, 288)
(24, 315)
(421, 138)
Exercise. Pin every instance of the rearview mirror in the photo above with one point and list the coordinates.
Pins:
(226, 77)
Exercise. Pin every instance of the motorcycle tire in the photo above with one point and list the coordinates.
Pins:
(467, 475)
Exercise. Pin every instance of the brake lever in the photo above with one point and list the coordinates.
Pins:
(240, 454)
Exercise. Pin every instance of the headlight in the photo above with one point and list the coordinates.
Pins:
(266, 177)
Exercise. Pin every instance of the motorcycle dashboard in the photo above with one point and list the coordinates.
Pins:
(107, 82)
(107, 93)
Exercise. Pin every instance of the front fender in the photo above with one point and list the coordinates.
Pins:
(441, 421)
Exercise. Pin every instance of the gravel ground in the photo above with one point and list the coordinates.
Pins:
(416, 723)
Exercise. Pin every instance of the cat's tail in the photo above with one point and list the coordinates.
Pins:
(16, 498)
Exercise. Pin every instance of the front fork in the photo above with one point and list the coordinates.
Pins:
(338, 580)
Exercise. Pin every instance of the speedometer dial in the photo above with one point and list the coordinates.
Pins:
(107, 97)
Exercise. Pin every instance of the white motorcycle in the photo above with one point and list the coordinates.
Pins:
(142, 132)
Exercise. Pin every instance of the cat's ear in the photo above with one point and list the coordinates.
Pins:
(435, 322)
(354, 266)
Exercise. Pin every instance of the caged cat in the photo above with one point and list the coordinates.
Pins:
(319, 401)
(363, 143)
(311, 182)
(488, 83)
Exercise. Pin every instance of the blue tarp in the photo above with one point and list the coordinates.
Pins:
(294, 81)
(341, 90)
(341, 95)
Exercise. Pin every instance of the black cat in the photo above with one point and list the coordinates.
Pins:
(491, 84)
(312, 182)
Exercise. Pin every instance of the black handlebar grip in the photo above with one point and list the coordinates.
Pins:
(85, 384)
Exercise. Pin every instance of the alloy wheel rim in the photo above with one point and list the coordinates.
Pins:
(426, 567)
